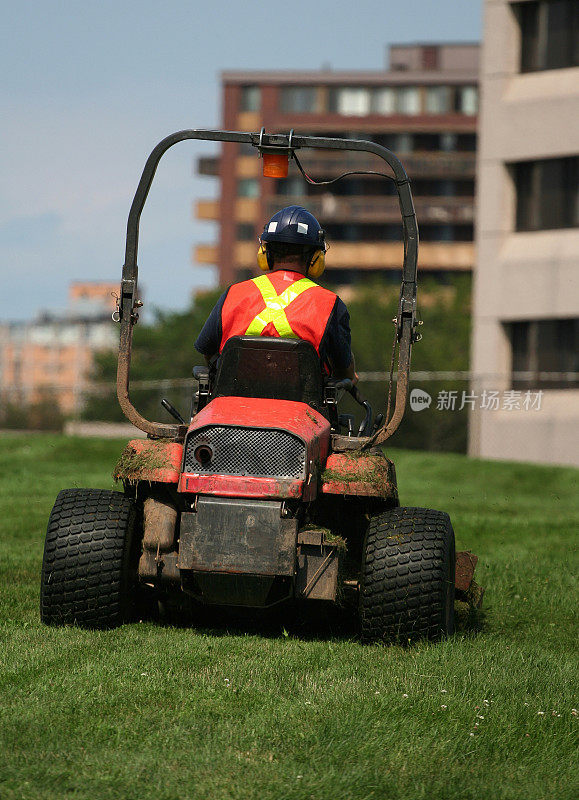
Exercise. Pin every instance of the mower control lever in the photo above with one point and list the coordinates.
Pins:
(366, 426)
(346, 384)
(347, 420)
(172, 411)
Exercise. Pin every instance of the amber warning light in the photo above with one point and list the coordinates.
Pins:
(275, 165)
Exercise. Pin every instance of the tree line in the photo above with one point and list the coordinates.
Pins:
(163, 351)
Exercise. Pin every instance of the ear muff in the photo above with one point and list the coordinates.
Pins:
(317, 264)
(262, 260)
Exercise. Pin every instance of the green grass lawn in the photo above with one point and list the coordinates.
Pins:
(152, 711)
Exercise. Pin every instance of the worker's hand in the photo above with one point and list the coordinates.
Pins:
(349, 372)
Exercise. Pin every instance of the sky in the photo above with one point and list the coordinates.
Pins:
(88, 89)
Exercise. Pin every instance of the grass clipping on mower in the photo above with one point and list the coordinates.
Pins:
(358, 467)
(133, 466)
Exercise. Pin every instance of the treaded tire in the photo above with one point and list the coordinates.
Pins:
(87, 553)
(407, 585)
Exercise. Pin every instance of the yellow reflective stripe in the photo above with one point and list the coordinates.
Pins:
(273, 311)
(295, 290)
(265, 286)
(275, 306)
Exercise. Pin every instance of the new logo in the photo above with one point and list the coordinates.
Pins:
(419, 400)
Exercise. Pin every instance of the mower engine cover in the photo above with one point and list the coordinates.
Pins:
(255, 456)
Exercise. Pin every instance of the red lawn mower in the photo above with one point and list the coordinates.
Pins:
(268, 495)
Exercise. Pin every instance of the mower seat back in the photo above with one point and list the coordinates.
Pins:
(271, 368)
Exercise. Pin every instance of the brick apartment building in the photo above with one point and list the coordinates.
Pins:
(424, 108)
(52, 356)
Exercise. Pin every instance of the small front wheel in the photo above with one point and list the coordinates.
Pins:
(407, 583)
(86, 571)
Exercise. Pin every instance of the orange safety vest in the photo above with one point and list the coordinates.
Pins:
(282, 303)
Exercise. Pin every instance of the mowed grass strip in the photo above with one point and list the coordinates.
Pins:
(280, 710)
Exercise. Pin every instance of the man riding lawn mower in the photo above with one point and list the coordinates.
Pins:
(284, 302)
(268, 495)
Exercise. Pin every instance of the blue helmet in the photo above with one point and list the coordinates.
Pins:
(294, 225)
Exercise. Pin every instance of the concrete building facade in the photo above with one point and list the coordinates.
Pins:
(51, 358)
(526, 289)
(424, 108)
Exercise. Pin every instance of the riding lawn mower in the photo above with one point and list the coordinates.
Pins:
(268, 495)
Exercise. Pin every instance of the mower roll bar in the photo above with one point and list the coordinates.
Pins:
(128, 302)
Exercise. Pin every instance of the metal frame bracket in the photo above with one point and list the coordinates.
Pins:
(128, 304)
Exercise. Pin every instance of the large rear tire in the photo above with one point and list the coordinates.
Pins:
(407, 585)
(86, 571)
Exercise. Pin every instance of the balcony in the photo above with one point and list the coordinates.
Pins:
(440, 165)
(331, 164)
(206, 254)
(418, 164)
(246, 210)
(385, 209)
(248, 166)
(208, 165)
(455, 256)
(389, 255)
(207, 209)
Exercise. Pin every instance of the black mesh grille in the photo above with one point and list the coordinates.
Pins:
(247, 451)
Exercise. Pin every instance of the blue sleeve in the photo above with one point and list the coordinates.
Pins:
(209, 340)
(337, 342)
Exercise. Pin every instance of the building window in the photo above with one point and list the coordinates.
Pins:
(408, 100)
(291, 187)
(404, 143)
(466, 142)
(448, 142)
(445, 232)
(397, 142)
(383, 101)
(549, 34)
(445, 188)
(466, 100)
(546, 193)
(545, 353)
(437, 233)
(438, 100)
(426, 142)
(298, 99)
(248, 187)
(358, 101)
(245, 232)
(354, 102)
(250, 98)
